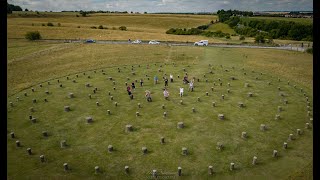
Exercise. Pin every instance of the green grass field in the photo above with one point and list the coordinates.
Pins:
(225, 28)
(87, 143)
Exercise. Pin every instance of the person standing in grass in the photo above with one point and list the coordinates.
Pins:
(155, 79)
(148, 96)
(141, 82)
(181, 91)
(166, 94)
(171, 78)
(129, 92)
(191, 86)
(165, 81)
(133, 86)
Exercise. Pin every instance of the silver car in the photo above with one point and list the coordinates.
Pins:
(154, 42)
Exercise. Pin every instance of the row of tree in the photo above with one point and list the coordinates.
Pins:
(11, 7)
(271, 29)
(225, 15)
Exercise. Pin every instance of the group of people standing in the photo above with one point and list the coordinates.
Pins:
(165, 90)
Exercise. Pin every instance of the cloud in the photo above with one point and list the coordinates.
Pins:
(164, 5)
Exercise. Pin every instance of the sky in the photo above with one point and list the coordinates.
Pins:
(152, 6)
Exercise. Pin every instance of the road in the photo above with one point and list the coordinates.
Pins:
(283, 47)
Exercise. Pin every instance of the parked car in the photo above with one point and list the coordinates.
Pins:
(90, 41)
(154, 42)
(201, 43)
(136, 41)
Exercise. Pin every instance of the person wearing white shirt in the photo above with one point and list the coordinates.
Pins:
(181, 91)
(171, 78)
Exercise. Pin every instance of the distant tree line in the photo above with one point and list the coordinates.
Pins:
(11, 7)
(92, 12)
(225, 15)
(271, 29)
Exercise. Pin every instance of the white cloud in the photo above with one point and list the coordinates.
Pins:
(164, 5)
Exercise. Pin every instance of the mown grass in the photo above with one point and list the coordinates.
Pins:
(88, 143)
(225, 28)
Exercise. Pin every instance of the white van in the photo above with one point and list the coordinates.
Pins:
(201, 43)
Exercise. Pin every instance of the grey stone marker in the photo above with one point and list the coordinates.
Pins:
(220, 83)
(144, 150)
(290, 138)
(129, 128)
(89, 119)
(228, 90)
(74, 81)
(63, 144)
(269, 83)
(18, 143)
(295, 86)
(222, 96)
(180, 125)
(111, 98)
(311, 119)
(126, 83)
(108, 112)
(139, 105)
(65, 167)
(67, 77)
(184, 151)
(71, 95)
(285, 101)
(277, 117)
(210, 169)
(285, 145)
(12, 135)
(110, 148)
(179, 171)
(162, 140)
(254, 160)
(33, 120)
(29, 151)
(87, 85)
(40, 85)
(110, 78)
(279, 88)
(279, 108)
(45, 133)
(198, 98)
(32, 89)
(11, 104)
(231, 166)
(221, 116)
(77, 75)
(213, 104)
(94, 91)
(114, 88)
(34, 100)
(45, 100)
(207, 93)
(163, 106)
(126, 169)
(299, 132)
(66, 108)
(308, 126)
(25, 94)
(42, 158)
(116, 104)
(18, 98)
(181, 102)
(31, 109)
(244, 135)
(250, 94)
(164, 114)
(137, 114)
(193, 109)
(279, 79)
(263, 127)
(211, 88)
(240, 104)
(246, 85)
(97, 103)
(309, 113)
(89, 96)
(275, 153)
(219, 146)
(60, 85)
(154, 173)
(307, 98)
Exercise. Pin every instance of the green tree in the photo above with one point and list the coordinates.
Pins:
(242, 38)
(100, 27)
(34, 35)
(259, 39)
